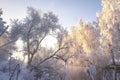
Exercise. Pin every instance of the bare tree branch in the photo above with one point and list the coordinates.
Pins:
(51, 55)
(8, 43)
(4, 31)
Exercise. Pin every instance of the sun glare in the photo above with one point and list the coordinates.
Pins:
(48, 42)
(18, 54)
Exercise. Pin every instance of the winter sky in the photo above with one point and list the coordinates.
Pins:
(68, 11)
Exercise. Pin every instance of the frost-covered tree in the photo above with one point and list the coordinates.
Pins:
(33, 29)
(83, 47)
(3, 38)
(109, 22)
(3, 28)
(84, 40)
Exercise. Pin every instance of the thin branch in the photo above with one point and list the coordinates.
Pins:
(20, 50)
(31, 54)
(42, 39)
(8, 43)
(35, 49)
(28, 42)
(39, 43)
(4, 31)
(51, 55)
(16, 67)
(61, 58)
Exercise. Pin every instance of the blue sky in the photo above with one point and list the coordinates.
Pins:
(68, 11)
